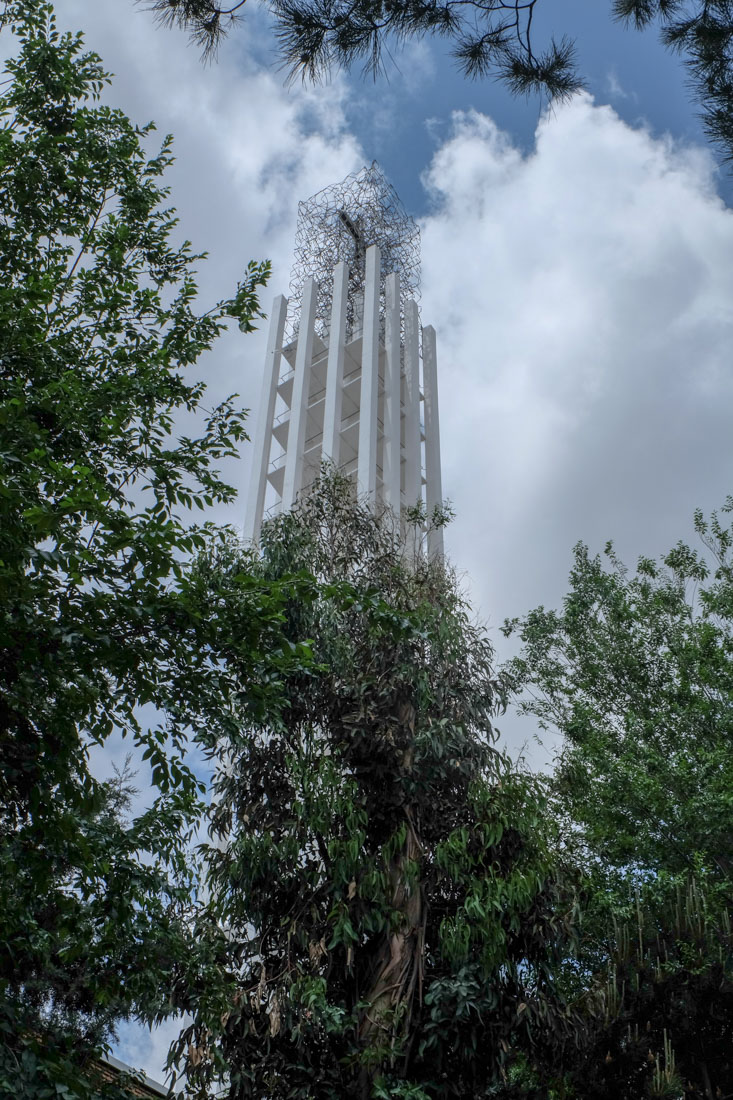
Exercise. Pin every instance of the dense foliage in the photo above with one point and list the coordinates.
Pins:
(98, 634)
(636, 673)
(386, 880)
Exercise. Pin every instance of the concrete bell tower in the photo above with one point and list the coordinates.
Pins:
(350, 375)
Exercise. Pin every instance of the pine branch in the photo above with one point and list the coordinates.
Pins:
(314, 37)
(206, 21)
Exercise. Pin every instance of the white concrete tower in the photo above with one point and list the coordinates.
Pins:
(350, 376)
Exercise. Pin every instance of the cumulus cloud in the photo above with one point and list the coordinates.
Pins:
(583, 297)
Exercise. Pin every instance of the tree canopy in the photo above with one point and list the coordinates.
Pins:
(393, 904)
(635, 673)
(99, 330)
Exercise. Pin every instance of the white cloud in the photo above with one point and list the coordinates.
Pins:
(583, 298)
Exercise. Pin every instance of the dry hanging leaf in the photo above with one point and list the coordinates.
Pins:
(316, 951)
(274, 1015)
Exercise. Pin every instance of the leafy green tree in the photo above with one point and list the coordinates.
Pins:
(99, 631)
(392, 902)
(636, 675)
(658, 1011)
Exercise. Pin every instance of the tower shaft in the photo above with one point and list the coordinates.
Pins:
(350, 376)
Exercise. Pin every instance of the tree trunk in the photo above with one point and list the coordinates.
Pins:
(396, 973)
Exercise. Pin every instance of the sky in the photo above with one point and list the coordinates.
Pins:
(577, 265)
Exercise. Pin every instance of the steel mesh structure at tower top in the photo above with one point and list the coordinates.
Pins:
(338, 224)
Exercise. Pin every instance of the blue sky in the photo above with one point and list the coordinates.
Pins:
(577, 266)
(400, 116)
(629, 70)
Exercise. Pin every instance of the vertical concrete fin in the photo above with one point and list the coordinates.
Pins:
(335, 369)
(366, 475)
(293, 477)
(413, 460)
(265, 417)
(433, 485)
(391, 416)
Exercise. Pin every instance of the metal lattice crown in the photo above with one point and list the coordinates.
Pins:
(340, 223)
